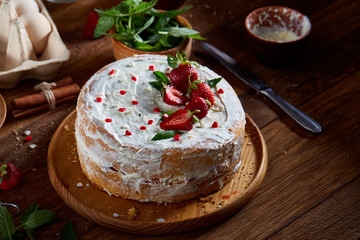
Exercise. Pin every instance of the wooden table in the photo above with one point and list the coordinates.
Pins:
(312, 186)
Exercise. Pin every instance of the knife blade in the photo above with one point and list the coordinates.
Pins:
(253, 81)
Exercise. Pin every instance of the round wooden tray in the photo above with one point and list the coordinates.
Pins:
(152, 219)
(2, 110)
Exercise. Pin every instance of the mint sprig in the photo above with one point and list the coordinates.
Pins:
(31, 219)
(165, 135)
(161, 81)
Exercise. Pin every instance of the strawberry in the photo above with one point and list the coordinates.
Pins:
(198, 103)
(203, 90)
(179, 120)
(90, 26)
(183, 75)
(10, 176)
(174, 96)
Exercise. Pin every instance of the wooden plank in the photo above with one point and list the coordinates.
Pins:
(337, 217)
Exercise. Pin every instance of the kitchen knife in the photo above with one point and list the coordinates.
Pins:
(250, 79)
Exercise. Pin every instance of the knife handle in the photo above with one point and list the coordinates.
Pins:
(300, 117)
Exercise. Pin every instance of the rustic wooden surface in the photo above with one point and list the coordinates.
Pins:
(312, 187)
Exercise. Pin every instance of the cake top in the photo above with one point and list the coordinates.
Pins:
(120, 99)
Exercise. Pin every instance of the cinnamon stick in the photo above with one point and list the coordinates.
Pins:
(64, 82)
(20, 113)
(39, 99)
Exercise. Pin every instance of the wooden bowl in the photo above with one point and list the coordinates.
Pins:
(121, 51)
(276, 35)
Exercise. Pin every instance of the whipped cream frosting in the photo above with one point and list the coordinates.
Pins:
(108, 86)
(137, 157)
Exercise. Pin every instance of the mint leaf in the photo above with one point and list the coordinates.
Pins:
(157, 85)
(143, 7)
(32, 208)
(165, 134)
(38, 218)
(161, 77)
(104, 24)
(68, 232)
(212, 83)
(180, 31)
(7, 226)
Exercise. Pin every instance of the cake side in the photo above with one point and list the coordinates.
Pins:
(145, 170)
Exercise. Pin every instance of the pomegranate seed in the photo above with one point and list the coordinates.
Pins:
(221, 91)
(157, 110)
(122, 92)
(28, 138)
(150, 122)
(215, 125)
(152, 67)
(98, 99)
(177, 137)
(108, 120)
(134, 102)
(142, 128)
(112, 72)
(127, 133)
(122, 109)
(65, 184)
(133, 78)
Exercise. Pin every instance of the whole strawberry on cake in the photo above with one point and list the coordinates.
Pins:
(159, 129)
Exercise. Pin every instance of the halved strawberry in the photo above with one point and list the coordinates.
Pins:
(183, 75)
(174, 96)
(179, 120)
(198, 103)
(10, 176)
(203, 90)
(90, 26)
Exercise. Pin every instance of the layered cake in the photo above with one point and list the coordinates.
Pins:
(142, 136)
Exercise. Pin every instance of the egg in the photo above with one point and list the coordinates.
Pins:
(38, 28)
(24, 6)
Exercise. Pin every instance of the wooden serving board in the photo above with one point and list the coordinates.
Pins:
(2, 110)
(152, 219)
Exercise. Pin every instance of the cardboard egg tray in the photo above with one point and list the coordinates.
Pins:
(21, 62)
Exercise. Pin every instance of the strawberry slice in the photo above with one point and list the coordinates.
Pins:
(179, 120)
(182, 76)
(10, 176)
(203, 90)
(90, 26)
(198, 103)
(174, 96)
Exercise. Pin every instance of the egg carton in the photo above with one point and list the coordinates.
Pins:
(18, 60)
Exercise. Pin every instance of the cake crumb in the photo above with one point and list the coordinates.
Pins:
(160, 220)
(116, 215)
(285, 152)
(79, 184)
(132, 213)
(66, 127)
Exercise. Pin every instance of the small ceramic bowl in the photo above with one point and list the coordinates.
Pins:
(276, 35)
(121, 51)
